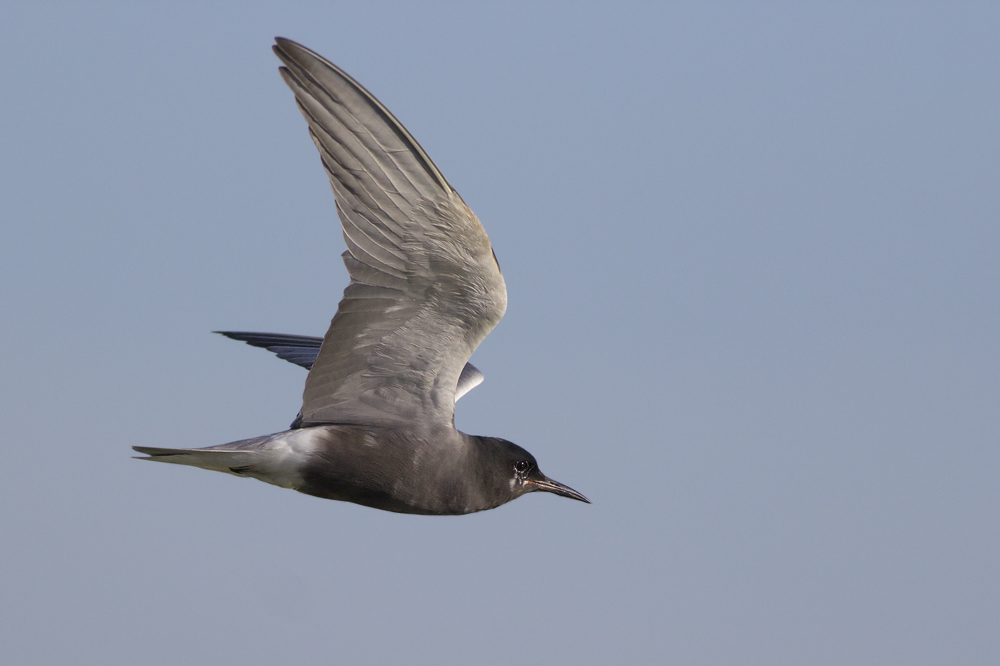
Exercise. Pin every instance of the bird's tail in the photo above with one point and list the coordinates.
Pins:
(217, 459)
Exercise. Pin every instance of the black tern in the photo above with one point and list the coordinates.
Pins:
(377, 423)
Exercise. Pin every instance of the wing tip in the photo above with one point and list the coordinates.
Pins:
(296, 57)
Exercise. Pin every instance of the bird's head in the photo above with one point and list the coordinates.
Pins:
(514, 472)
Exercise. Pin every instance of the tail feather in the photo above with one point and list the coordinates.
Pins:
(231, 462)
(276, 459)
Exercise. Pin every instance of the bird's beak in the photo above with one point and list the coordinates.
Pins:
(550, 486)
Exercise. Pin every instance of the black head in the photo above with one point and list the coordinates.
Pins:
(514, 472)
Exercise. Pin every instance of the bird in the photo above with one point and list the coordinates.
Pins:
(376, 426)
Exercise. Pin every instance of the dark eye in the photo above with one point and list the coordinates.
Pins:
(522, 466)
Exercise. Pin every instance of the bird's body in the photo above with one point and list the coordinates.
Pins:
(438, 472)
(377, 421)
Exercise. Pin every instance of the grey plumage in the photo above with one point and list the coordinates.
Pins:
(377, 420)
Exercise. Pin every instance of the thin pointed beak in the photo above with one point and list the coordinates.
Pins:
(550, 486)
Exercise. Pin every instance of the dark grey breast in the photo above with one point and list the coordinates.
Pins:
(425, 287)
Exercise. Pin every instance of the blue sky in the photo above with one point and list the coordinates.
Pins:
(752, 265)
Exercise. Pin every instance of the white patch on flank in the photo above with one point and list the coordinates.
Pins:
(284, 454)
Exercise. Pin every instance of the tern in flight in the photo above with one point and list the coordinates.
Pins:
(376, 425)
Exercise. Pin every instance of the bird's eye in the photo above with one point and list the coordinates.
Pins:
(522, 466)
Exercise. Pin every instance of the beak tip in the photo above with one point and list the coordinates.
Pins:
(550, 486)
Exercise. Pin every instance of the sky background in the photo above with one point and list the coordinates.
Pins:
(753, 264)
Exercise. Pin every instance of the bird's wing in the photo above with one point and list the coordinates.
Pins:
(298, 349)
(303, 349)
(425, 286)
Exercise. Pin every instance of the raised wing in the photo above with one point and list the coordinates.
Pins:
(303, 349)
(425, 286)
